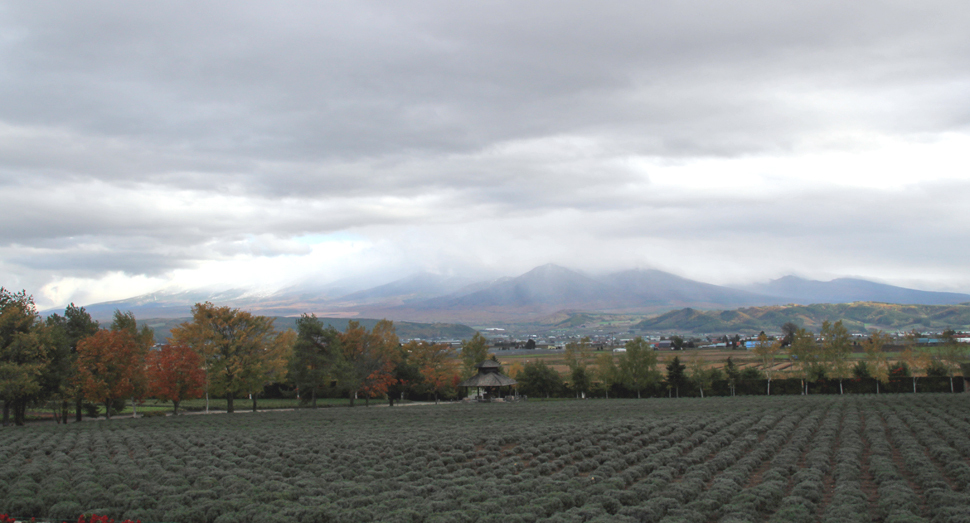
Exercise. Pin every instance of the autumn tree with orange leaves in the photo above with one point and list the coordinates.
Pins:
(110, 366)
(175, 373)
(241, 352)
(145, 338)
(368, 359)
(436, 363)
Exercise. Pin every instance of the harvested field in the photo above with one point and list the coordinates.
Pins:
(821, 458)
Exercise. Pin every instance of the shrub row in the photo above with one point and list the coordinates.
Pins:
(801, 504)
(897, 501)
(849, 502)
(727, 459)
(919, 445)
(724, 487)
(762, 499)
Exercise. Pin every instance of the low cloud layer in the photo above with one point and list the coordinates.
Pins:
(145, 146)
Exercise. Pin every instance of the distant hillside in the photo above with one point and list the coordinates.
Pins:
(576, 320)
(551, 288)
(405, 330)
(848, 290)
(529, 297)
(421, 286)
(548, 285)
(646, 287)
(857, 317)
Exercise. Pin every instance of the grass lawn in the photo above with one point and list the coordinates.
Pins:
(215, 404)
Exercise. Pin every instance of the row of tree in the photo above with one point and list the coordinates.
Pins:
(829, 355)
(799, 354)
(221, 351)
(637, 369)
(64, 358)
(71, 359)
(226, 352)
(371, 364)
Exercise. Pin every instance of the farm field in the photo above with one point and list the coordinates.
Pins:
(198, 405)
(793, 458)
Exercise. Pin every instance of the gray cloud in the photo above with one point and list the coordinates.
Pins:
(145, 138)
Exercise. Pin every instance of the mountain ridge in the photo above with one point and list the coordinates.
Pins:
(542, 291)
(848, 290)
(858, 317)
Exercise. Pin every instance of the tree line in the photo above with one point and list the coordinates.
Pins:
(799, 355)
(71, 360)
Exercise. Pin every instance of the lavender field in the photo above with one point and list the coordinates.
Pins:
(860, 458)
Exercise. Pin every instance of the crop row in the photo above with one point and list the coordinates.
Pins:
(807, 490)
(918, 446)
(849, 502)
(758, 459)
(761, 499)
(758, 447)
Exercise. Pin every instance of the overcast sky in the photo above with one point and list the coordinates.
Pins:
(150, 145)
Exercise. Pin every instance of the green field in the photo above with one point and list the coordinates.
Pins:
(198, 405)
(794, 458)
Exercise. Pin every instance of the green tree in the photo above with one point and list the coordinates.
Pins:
(125, 321)
(700, 373)
(676, 376)
(951, 355)
(805, 357)
(369, 359)
(68, 330)
(607, 372)
(266, 363)
(58, 374)
(837, 347)
(876, 360)
(577, 356)
(316, 352)
(638, 365)
(537, 378)
(25, 352)
(240, 350)
(916, 360)
(581, 380)
(948, 336)
(766, 350)
(473, 352)
(59, 385)
(936, 368)
(732, 373)
(407, 374)
(788, 331)
(750, 374)
(861, 370)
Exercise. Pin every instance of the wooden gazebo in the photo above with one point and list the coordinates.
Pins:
(488, 378)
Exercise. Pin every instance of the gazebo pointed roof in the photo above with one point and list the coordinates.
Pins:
(488, 376)
(488, 380)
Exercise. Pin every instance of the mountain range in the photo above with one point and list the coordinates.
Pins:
(858, 317)
(847, 290)
(542, 291)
